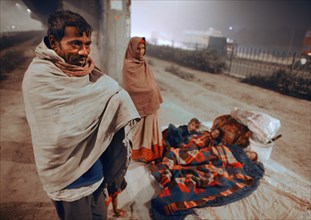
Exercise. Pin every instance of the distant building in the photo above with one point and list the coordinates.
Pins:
(218, 43)
(210, 39)
(192, 40)
(161, 38)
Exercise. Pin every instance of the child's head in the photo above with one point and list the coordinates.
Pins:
(193, 124)
(252, 155)
(216, 133)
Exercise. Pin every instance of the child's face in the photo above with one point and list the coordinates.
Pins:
(251, 155)
(192, 126)
(215, 133)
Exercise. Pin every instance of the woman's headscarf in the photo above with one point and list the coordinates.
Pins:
(138, 80)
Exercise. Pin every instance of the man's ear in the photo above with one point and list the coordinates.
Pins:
(53, 43)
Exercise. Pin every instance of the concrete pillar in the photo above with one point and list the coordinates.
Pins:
(114, 34)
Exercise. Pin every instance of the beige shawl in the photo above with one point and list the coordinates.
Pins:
(139, 82)
(72, 119)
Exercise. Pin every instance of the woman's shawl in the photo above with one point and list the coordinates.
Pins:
(72, 119)
(139, 82)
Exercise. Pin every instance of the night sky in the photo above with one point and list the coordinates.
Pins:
(262, 23)
(279, 24)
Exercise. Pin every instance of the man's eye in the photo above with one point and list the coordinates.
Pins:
(75, 44)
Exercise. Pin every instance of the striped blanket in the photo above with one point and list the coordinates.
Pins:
(198, 176)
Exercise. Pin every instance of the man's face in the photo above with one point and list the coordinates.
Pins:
(73, 47)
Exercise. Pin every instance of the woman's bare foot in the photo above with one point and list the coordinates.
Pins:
(119, 213)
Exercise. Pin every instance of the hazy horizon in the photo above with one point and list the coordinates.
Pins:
(275, 23)
(257, 23)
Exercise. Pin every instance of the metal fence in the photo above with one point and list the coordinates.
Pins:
(245, 61)
(242, 62)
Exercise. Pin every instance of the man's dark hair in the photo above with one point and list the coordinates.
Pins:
(59, 20)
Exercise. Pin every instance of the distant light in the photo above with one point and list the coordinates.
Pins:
(230, 28)
(28, 10)
(13, 26)
(18, 5)
(303, 61)
(230, 41)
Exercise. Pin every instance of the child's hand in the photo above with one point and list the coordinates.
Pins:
(199, 142)
(194, 136)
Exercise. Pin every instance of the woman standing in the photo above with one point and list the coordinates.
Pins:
(139, 82)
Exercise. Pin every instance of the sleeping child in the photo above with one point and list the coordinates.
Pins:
(206, 138)
(179, 135)
(252, 155)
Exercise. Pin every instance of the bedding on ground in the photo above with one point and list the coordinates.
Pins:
(201, 174)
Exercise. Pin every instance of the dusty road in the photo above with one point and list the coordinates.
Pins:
(206, 97)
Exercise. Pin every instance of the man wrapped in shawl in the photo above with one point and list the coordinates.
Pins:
(139, 82)
(80, 120)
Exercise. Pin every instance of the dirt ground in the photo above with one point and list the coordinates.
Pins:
(209, 96)
(206, 97)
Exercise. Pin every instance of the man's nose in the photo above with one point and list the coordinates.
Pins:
(83, 51)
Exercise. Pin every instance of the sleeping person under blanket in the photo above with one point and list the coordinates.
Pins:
(202, 173)
(177, 136)
(211, 138)
(185, 135)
